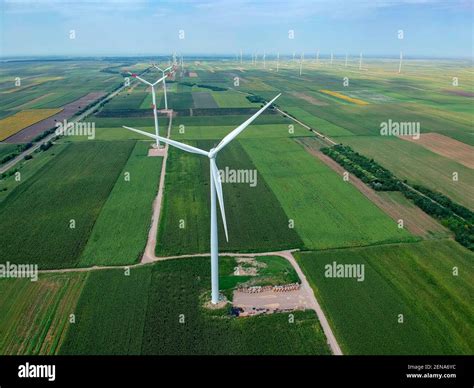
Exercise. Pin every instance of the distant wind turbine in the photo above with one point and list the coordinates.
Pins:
(400, 65)
(215, 188)
(155, 114)
(278, 62)
(301, 63)
(163, 72)
(360, 61)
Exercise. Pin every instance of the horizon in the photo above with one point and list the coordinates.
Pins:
(429, 28)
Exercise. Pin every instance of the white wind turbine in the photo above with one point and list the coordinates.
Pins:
(301, 63)
(155, 114)
(163, 72)
(216, 188)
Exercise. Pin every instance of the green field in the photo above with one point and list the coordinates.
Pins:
(232, 100)
(36, 315)
(298, 202)
(110, 313)
(252, 131)
(35, 218)
(327, 212)
(120, 232)
(419, 165)
(27, 169)
(415, 280)
(141, 314)
(254, 217)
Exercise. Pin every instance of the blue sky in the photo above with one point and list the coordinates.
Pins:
(440, 28)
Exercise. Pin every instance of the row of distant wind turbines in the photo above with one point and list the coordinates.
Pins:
(254, 58)
(215, 179)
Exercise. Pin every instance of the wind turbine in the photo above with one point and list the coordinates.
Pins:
(278, 62)
(264, 63)
(317, 57)
(301, 63)
(332, 57)
(400, 65)
(164, 81)
(346, 60)
(360, 61)
(155, 114)
(216, 188)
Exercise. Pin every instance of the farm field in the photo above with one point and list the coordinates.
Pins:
(120, 232)
(158, 294)
(12, 124)
(447, 147)
(262, 225)
(262, 131)
(27, 169)
(393, 203)
(298, 201)
(339, 216)
(415, 280)
(419, 165)
(35, 315)
(64, 198)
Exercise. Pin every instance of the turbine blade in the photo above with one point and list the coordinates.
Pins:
(173, 143)
(218, 186)
(141, 79)
(227, 139)
(161, 79)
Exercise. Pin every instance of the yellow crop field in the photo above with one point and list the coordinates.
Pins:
(344, 97)
(12, 124)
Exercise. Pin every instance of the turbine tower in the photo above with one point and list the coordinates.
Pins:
(155, 113)
(301, 63)
(400, 64)
(278, 61)
(163, 72)
(215, 187)
(360, 61)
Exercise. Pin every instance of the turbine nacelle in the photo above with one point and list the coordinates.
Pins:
(212, 153)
